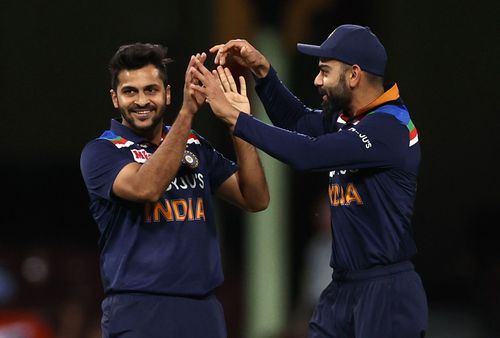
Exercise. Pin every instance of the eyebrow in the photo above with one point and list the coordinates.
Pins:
(149, 86)
(324, 66)
(153, 85)
(127, 88)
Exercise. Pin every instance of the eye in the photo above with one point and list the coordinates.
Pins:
(151, 90)
(128, 91)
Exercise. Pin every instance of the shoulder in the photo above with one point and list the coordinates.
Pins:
(391, 117)
(108, 139)
(396, 111)
(106, 145)
(195, 138)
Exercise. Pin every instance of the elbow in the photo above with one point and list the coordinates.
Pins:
(153, 198)
(259, 204)
(148, 196)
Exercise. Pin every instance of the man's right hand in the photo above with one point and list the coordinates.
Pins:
(242, 52)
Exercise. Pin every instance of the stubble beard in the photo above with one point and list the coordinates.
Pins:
(144, 130)
(339, 99)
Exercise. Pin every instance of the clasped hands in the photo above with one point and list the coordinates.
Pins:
(220, 91)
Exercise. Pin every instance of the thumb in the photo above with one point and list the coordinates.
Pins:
(244, 51)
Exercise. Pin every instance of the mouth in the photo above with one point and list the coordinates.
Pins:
(143, 113)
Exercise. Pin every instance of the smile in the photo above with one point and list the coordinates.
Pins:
(143, 112)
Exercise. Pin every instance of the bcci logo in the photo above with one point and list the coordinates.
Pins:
(190, 159)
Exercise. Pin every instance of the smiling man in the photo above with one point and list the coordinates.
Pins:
(150, 188)
(365, 141)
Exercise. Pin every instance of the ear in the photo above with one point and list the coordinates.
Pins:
(114, 98)
(354, 76)
(167, 95)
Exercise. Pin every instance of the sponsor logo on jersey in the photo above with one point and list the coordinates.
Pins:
(187, 182)
(140, 155)
(363, 137)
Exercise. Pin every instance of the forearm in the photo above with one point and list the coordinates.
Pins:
(155, 175)
(251, 177)
(302, 152)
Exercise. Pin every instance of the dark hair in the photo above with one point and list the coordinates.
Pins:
(136, 56)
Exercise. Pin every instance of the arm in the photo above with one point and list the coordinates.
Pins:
(378, 141)
(247, 188)
(147, 182)
(344, 150)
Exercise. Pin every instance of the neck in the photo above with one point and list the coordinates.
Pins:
(153, 134)
(364, 97)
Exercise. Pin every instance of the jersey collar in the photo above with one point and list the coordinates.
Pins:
(119, 129)
(391, 94)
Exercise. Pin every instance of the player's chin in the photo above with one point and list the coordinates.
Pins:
(141, 122)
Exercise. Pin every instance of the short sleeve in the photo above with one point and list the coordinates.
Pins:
(221, 168)
(100, 163)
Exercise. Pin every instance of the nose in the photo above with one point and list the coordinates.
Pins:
(142, 99)
(318, 80)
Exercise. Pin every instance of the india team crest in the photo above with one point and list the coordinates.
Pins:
(190, 159)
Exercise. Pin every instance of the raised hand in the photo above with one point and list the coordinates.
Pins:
(193, 99)
(242, 52)
(238, 100)
(211, 87)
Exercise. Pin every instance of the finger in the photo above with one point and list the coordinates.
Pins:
(201, 68)
(190, 64)
(197, 75)
(230, 79)
(216, 48)
(223, 51)
(223, 79)
(244, 51)
(243, 86)
(200, 89)
(214, 72)
(203, 57)
(189, 77)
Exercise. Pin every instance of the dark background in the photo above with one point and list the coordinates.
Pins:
(54, 94)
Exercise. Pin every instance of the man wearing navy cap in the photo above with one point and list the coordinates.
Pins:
(151, 188)
(366, 142)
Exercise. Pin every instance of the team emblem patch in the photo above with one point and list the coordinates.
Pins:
(190, 159)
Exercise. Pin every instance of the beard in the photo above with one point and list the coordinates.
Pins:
(157, 118)
(338, 99)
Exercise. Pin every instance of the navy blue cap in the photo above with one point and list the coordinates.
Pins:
(351, 44)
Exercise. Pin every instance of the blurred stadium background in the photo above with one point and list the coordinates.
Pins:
(444, 55)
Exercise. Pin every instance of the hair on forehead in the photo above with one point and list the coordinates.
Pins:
(138, 55)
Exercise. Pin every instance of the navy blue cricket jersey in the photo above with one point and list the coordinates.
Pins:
(168, 247)
(372, 161)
